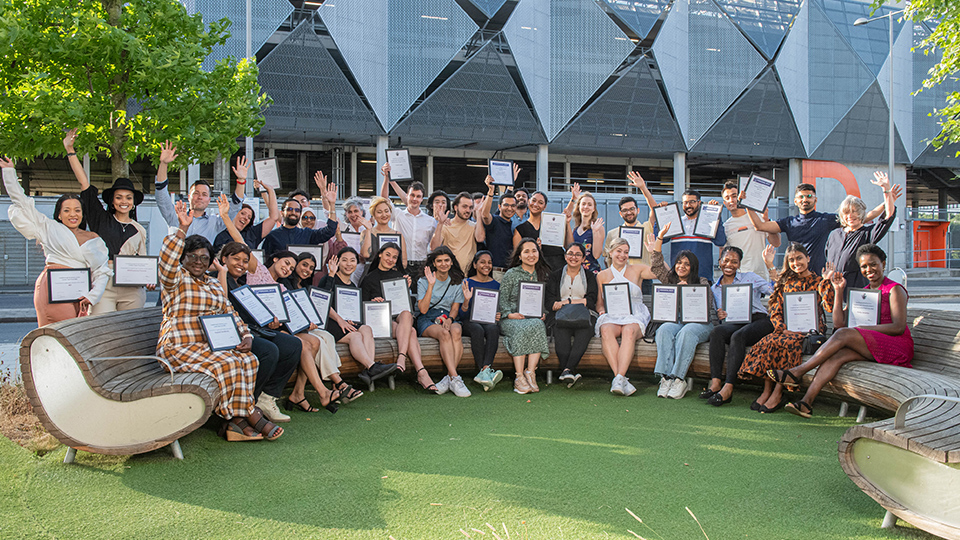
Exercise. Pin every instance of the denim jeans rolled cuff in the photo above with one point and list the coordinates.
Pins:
(676, 346)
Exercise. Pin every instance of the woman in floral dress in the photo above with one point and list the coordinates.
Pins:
(524, 337)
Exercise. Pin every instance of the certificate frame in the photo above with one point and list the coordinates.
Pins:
(702, 317)
(303, 301)
(373, 316)
(121, 260)
(811, 295)
(758, 182)
(635, 253)
(320, 299)
(553, 218)
(298, 320)
(489, 293)
(399, 156)
(537, 288)
(56, 274)
(403, 304)
(267, 172)
(501, 170)
(656, 314)
(253, 310)
(724, 303)
(387, 238)
(315, 250)
(700, 225)
(353, 291)
(272, 290)
(612, 286)
(352, 239)
(209, 322)
(669, 213)
(258, 253)
(866, 295)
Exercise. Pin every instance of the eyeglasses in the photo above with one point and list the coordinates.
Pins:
(191, 257)
(292, 209)
(806, 195)
(308, 218)
(574, 254)
(628, 210)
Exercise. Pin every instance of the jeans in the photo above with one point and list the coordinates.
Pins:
(676, 345)
(739, 336)
(484, 340)
(571, 353)
(279, 356)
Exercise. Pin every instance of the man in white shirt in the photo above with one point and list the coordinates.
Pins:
(742, 234)
(414, 225)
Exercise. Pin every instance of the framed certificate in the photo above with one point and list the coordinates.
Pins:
(258, 253)
(377, 316)
(502, 171)
(738, 302)
(306, 306)
(553, 229)
(634, 237)
(135, 271)
(271, 297)
(298, 321)
(669, 214)
(252, 304)
(757, 193)
(800, 311)
(863, 308)
(384, 239)
(531, 299)
(397, 293)
(400, 166)
(65, 285)
(320, 299)
(267, 172)
(484, 306)
(666, 303)
(316, 251)
(616, 299)
(353, 239)
(694, 304)
(221, 331)
(348, 304)
(708, 219)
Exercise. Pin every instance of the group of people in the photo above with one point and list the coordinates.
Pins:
(446, 254)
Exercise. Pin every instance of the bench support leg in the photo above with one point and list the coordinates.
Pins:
(889, 520)
(844, 408)
(372, 386)
(862, 415)
(689, 383)
(71, 454)
(549, 376)
(391, 382)
(175, 448)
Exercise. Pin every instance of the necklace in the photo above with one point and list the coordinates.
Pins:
(123, 226)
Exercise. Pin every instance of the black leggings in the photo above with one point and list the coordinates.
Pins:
(484, 340)
(739, 336)
(279, 356)
(570, 344)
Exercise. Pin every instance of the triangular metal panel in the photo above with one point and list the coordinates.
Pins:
(926, 123)
(489, 7)
(705, 61)
(946, 156)
(861, 136)
(564, 49)
(870, 41)
(309, 90)
(759, 124)
(266, 17)
(396, 48)
(638, 15)
(903, 86)
(480, 102)
(631, 115)
(764, 21)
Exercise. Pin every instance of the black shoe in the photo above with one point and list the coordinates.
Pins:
(717, 399)
(755, 406)
(777, 407)
(379, 371)
(707, 394)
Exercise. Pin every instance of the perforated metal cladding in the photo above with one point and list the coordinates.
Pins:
(583, 47)
(718, 64)
(266, 16)
(396, 48)
(903, 85)
(490, 7)
(925, 126)
(870, 41)
(639, 15)
(480, 102)
(310, 93)
(631, 115)
(861, 137)
(757, 124)
(764, 21)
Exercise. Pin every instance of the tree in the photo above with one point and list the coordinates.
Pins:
(128, 73)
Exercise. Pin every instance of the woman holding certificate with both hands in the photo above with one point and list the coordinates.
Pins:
(524, 337)
(553, 255)
(888, 342)
(484, 336)
(439, 296)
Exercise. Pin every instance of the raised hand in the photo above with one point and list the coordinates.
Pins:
(829, 270)
(597, 226)
(259, 185)
(636, 180)
(242, 169)
(516, 174)
(221, 269)
(576, 190)
(428, 273)
(333, 265)
(330, 194)
(321, 180)
(897, 191)
(651, 242)
(714, 202)
(223, 206)
(168, 152)
(467, 291)
(5, 163)
(769, 253)
(70, 139)
(838, 282)
(881, 180)
(488, 181)
(385, 170)
(184, 215)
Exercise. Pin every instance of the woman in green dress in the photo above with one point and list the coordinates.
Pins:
(524, 337)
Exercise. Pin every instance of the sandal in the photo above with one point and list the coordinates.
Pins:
(347, 392)
(299, 405)
(238, 429)
(268, 429)
(766, 410)
(781, 376)
(332, 405)
(401, 367)
(432, 388)
(798, 407)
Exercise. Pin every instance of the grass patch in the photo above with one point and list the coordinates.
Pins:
(564, 463)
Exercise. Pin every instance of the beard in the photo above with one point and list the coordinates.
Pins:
(291, 221)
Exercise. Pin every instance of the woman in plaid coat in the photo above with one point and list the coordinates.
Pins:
(189, 293)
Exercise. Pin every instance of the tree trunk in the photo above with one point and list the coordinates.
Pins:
(119, 166)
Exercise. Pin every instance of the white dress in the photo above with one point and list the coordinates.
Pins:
(640, 314)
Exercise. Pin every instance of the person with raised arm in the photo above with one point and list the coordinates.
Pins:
(116, 225)
(484, 337)
(629, 212)
(439, 297)
(587, 227)
(524, 337)
(461, 234)
(415, 225)
(290, 232)
(66, 244)
(498, 228)
(241, 227)
(553, 255)
(742, 234)
(523, 199)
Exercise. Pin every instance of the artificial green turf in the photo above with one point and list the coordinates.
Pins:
(564, 463)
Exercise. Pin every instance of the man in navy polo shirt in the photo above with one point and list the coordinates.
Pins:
(498, 227)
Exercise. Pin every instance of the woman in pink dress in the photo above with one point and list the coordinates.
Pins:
(887, 343)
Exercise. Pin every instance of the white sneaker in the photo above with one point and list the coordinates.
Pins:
(495, 377)
(443, 385)
(617, 386)
(628, 389)
(458, 388)
(665, 385)
(678, 389)
(268, 404)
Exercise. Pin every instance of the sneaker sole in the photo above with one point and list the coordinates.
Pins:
(573, 382)
(497, 377)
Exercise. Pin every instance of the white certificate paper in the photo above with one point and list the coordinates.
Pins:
(384, 239)
(257, 253)
(757, 193)
(67, 284)
(553, 229)
(616, 299)
(252, 304)
(530, 299)
(669, 214)
(353, 239)
(708, 219)
(270, 296)
(665, 303)
(220, 331)
(321, 301)
(267, 172)
(694, 306)
(634, 237)
(348, 304)
(484, 307)
(303, 301)
(501, 171)
(397, 293)
(135, 271)
(376, 315)
(400, 166)
(316, 251)
(800, 311)
(298, 319)
(738, 302)
(863, 308)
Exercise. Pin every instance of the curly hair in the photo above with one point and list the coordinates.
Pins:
(455, 273)
(195, 242)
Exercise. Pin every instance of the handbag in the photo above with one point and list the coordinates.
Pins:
(812, 342)
(573, 316)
